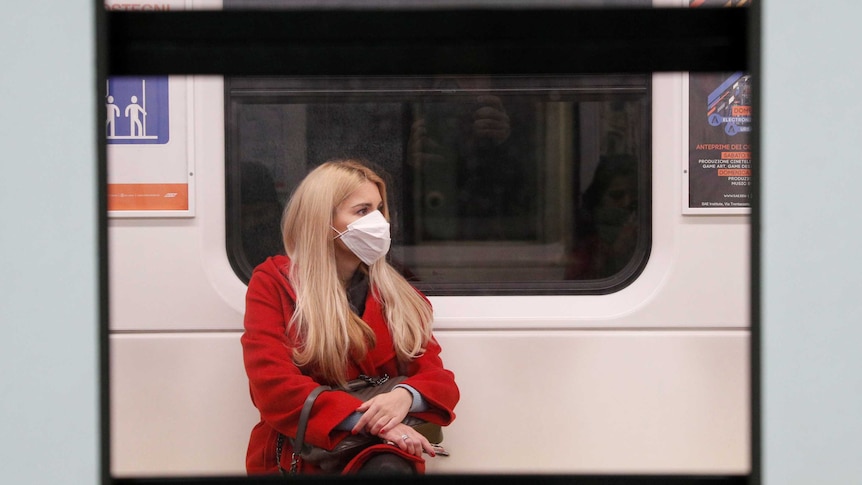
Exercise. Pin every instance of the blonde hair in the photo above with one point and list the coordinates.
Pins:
(329, 333)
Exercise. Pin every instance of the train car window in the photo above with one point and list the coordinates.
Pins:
(499, 185)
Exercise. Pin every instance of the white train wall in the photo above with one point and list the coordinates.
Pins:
(651, 379)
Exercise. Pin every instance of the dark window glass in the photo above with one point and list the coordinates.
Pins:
(497, 185)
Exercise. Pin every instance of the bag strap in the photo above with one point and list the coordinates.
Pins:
(300, 431)
(299, 441)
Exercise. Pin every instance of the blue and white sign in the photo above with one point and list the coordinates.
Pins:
(137, 110)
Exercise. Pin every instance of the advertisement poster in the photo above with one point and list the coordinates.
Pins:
(719, 162)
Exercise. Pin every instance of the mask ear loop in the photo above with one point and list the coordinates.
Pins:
(339, 234)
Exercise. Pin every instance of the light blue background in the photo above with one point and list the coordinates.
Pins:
(812, 269)
(48, 252)
(812, 266)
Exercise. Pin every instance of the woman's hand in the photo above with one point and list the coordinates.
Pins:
(408, 439)
(384, 411)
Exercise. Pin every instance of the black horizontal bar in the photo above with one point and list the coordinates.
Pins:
(405, 42)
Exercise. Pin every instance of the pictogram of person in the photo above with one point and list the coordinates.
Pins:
(113, 113)
(134, 112)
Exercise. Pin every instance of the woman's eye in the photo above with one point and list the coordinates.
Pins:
(363, 211)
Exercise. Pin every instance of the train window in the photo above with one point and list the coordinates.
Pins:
(499, 185)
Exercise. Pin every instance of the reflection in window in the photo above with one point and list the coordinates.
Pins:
(498, 185)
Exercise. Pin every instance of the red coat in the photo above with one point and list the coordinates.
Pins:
(278, 388)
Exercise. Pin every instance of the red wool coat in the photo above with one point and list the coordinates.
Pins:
(278, 388)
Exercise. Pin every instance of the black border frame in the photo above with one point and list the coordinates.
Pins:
(463, 41)
(414, 42)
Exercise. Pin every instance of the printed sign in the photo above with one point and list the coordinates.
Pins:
(137, 110)
(719, 164)
(150, 170)
(148, 197)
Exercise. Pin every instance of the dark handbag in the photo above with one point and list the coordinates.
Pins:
(335, 460)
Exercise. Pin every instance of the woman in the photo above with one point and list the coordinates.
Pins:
(333, 309)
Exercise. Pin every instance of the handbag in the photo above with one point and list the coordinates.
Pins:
(345, 456)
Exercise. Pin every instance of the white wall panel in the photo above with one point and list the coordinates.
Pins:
(179, 405)
(548, 402)
(598, 402)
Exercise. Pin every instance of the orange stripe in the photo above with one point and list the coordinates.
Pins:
(734, 172)
(148, 197)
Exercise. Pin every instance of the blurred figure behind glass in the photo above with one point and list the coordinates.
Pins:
(609, 220)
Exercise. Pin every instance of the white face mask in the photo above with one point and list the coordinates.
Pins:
(367, 237)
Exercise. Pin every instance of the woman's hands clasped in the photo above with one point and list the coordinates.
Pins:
(408, 439)
(382, 416)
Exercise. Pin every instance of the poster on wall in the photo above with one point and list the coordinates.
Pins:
(149, 164)
(718, 167)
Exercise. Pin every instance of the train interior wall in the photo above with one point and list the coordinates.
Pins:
(653, 378)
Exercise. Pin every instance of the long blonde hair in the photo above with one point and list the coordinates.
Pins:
(329, 332)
